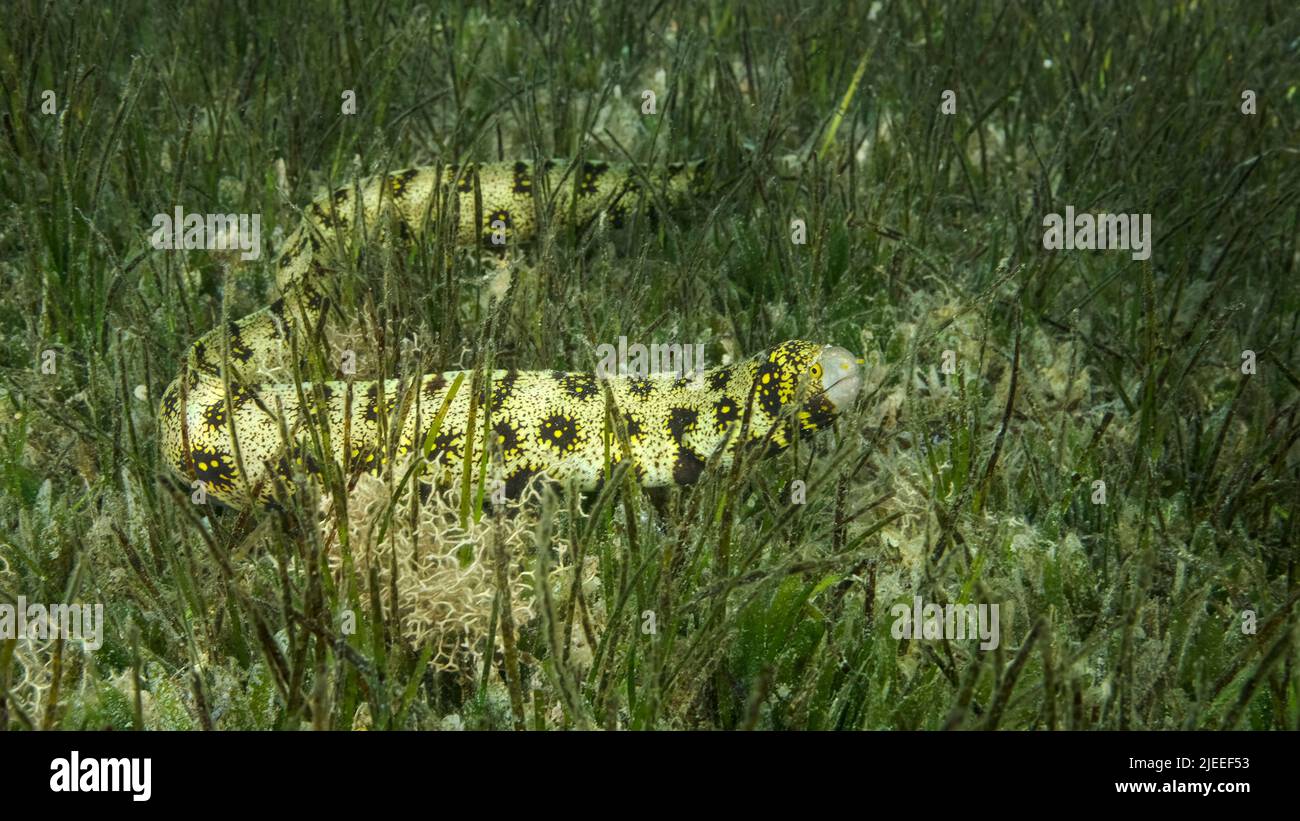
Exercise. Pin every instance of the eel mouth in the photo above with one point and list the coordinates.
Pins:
(841, 376)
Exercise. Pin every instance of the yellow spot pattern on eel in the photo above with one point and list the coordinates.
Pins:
(541, 422)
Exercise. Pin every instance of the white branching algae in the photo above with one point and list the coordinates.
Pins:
(446, 570)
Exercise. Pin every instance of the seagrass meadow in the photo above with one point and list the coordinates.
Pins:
(1099, 446)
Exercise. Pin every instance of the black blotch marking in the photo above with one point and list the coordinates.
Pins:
(404, 232)
(288, 255)
(465, 182)
(214, 468)
(367, 459)
(171, 401)
(372, 404)
(589, 182)
(318, 411)
(821, 414)
(503, 389)
(558, 432)
(433, 385)
(634, 429)
(681, 383)
(725, 411)
(340, 210)
(640, 386)
(298, 455)
(398, 182)
(517, 481)
(445, 447)
(507, 438)
(324, 217)
(523, 183)
(687, 467)
(617, 215)
(681, 421)
(280, 322)
(238, 350)
(767, 381)
(581, 386)
(201, 359)
(313, 297)
(214, 415)
(718, 378)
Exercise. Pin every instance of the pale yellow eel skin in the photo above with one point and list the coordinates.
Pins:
(247, 441)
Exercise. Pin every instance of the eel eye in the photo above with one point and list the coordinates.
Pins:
(816, 371)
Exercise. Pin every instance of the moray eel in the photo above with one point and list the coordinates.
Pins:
(247, 440)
